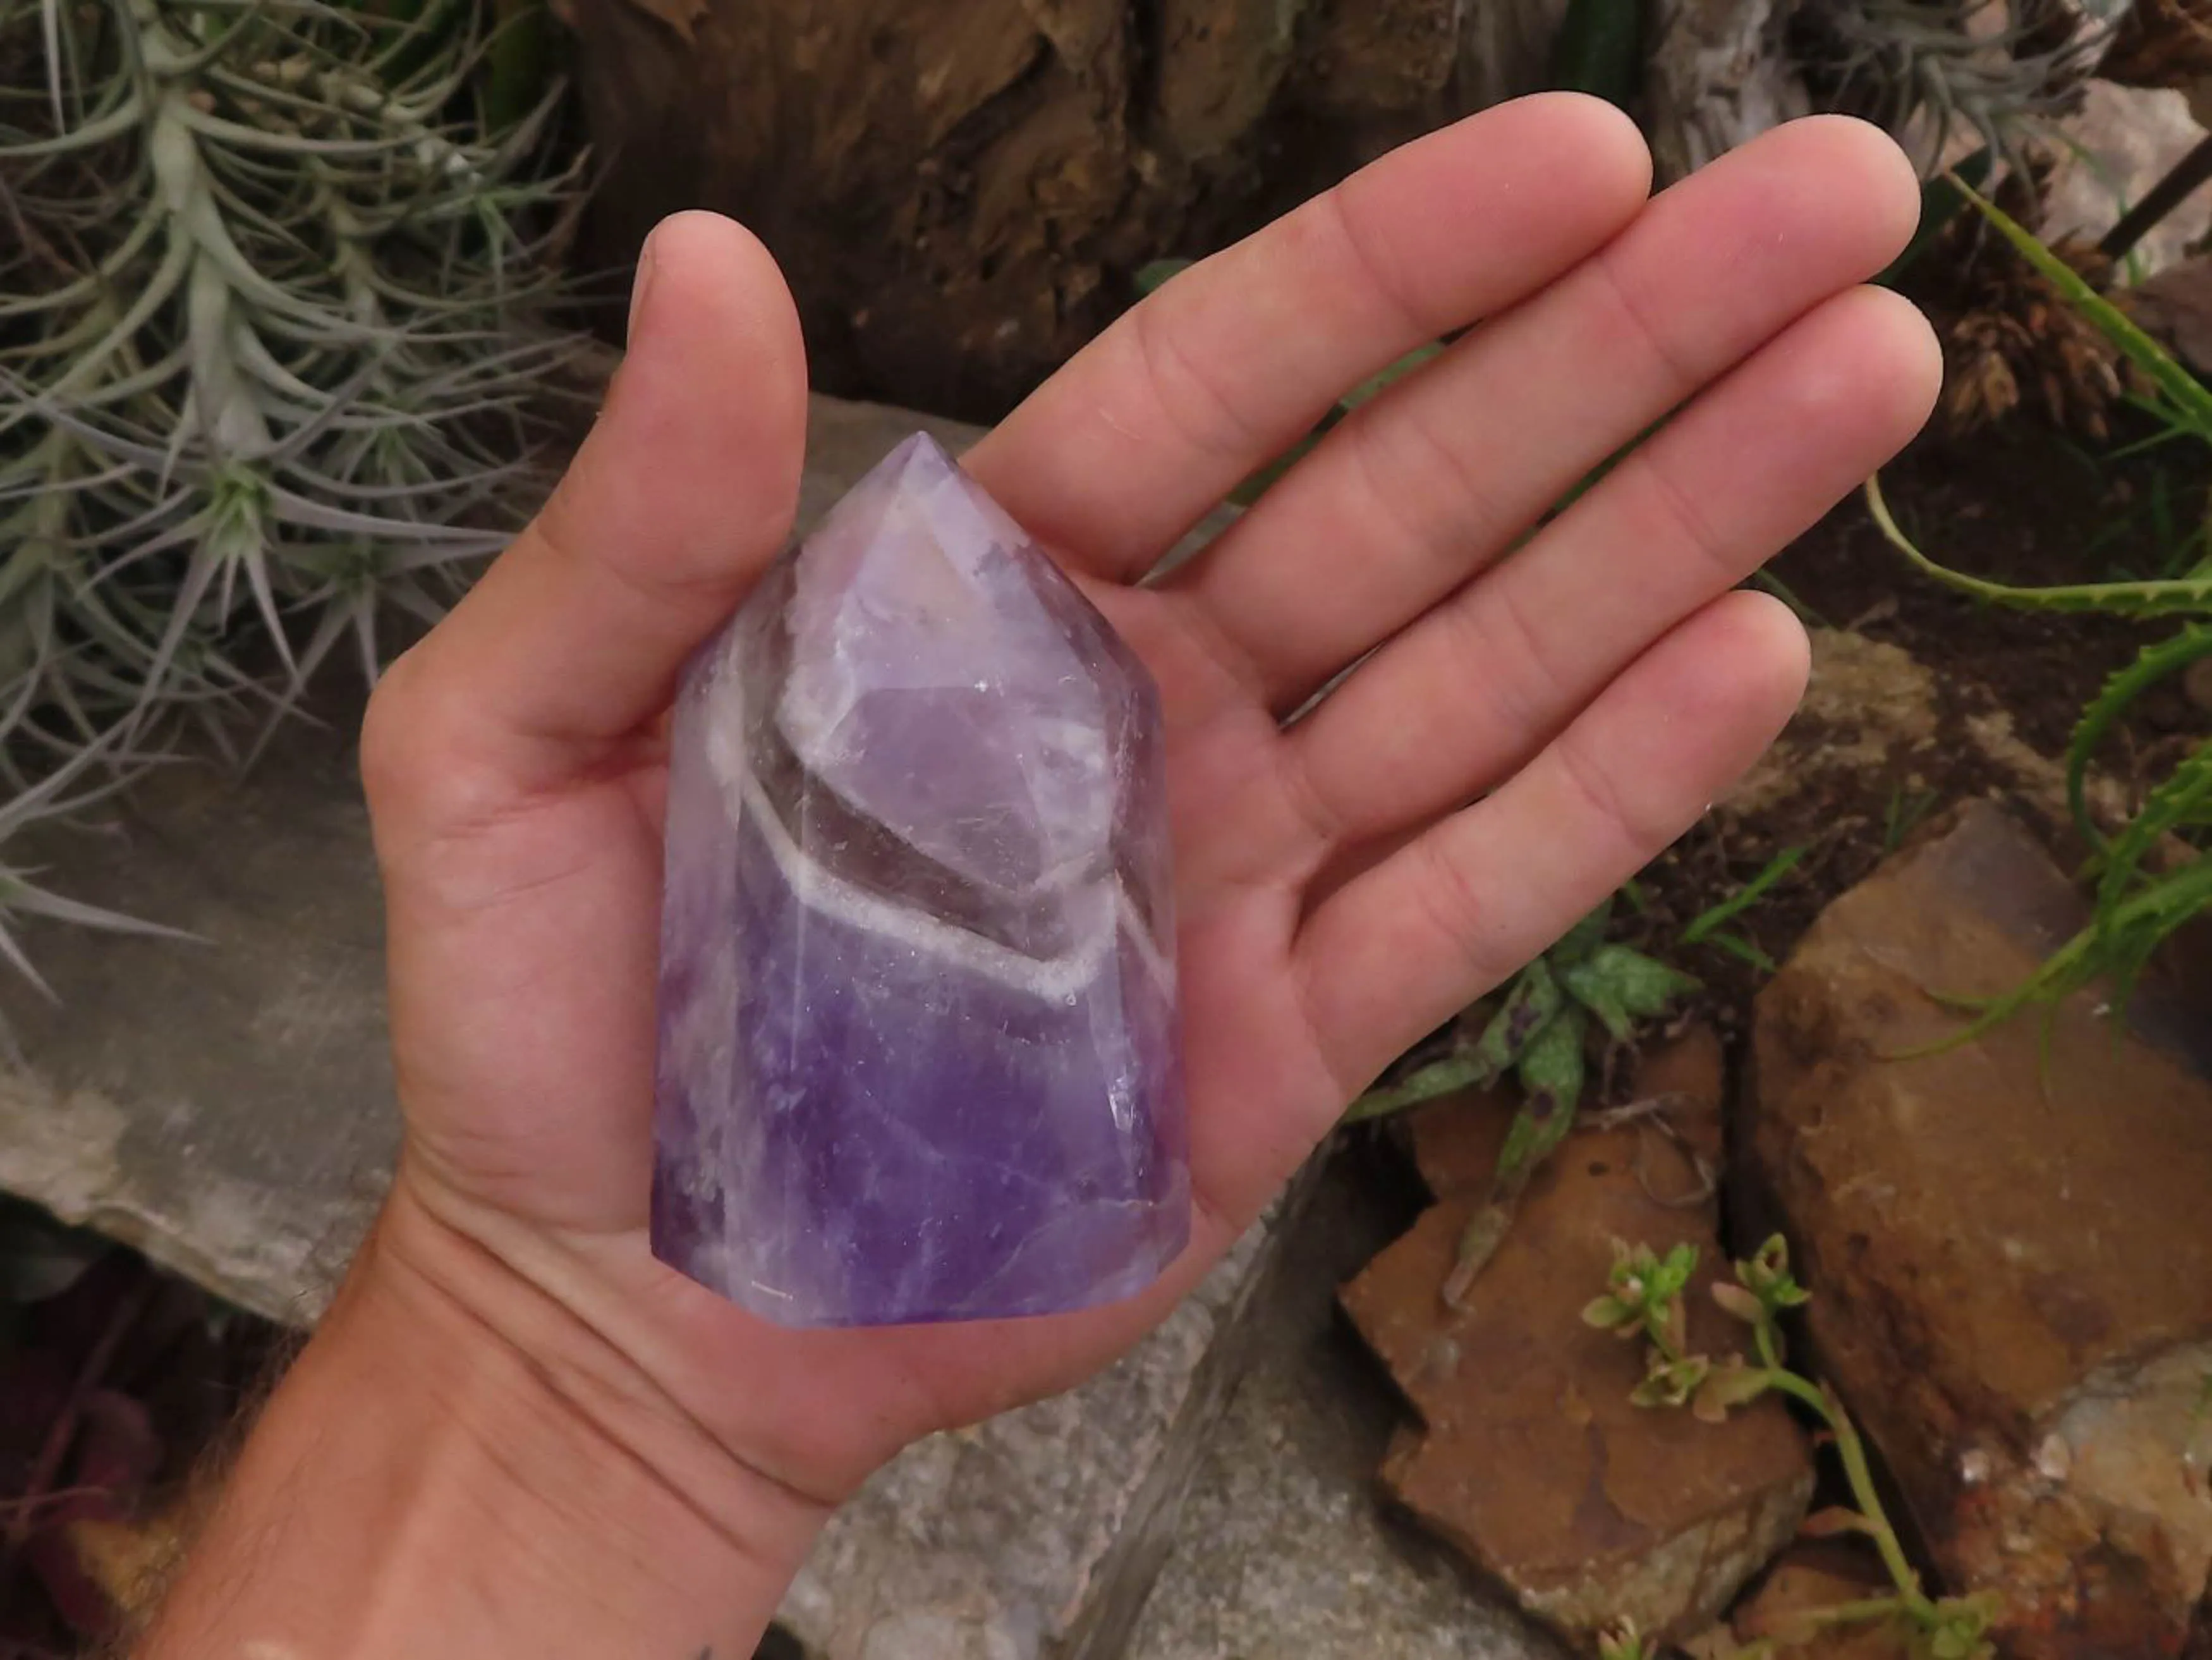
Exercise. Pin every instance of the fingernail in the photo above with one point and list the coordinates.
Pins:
(638, 286)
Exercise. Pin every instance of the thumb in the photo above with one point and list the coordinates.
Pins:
(521, 869)
(684, 491)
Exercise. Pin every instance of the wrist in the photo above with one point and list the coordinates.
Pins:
(456, 1465)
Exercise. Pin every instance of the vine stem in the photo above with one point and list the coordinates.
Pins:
(1866, 1608)
(1852, 1450)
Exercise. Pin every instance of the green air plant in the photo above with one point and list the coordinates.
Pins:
(1537, 1037)
(2154, 873)
(1936, 72)
(1644, 1299)
(273, 362)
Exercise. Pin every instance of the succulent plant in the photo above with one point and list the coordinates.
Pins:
(274, 356)
(1933, 72)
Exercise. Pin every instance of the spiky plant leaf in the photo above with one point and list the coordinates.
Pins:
(2191, 400)
(2175, 596)
(1621, 986)
(2157, 662)
(2181, 800)
(274, 356)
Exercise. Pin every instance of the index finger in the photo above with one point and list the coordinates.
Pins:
(1150, 425)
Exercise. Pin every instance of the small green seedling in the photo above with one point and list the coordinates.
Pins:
(1710, 927)
(1644, 1300)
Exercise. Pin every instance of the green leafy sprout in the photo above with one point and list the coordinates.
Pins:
(1646, 1300)
(1538, 1038)
(1907, 810)
(2142, 895)
(1625, 1641)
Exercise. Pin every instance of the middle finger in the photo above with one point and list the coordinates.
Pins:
(1428, 483)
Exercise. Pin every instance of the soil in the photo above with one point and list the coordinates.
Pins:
(116, 1381)
(2025, 505)
(2019, 504)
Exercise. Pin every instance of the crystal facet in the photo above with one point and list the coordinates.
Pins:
(919, 1053)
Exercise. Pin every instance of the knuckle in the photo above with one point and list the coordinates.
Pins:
(1432, 498)
(1201, 411)
(1374, 270)
(415, 771)
(1608, 806)
(1678, 365)
(1506, 656)
(387, 730)
(1691, 527)
(1459, 910)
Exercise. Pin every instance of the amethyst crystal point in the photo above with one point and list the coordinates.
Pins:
(919, 1056)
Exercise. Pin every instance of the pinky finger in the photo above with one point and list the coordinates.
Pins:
(1406, 945)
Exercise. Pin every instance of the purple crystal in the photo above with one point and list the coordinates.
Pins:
(919, 1054)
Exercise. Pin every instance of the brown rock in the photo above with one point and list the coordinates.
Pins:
(1871, 723)
(1220, 62)
(959, 190)
(1813, 1576)
(1530, 1458)
(2009, 1247)
(1868, 703)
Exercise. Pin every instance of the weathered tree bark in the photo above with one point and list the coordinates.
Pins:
(960, 189)
(1503, 48)
(1719, 76)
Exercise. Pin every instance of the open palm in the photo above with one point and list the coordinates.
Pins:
(1538, 718)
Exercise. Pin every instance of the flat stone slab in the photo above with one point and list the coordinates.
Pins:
(1035, 1535)
(1283, 1549)
(226, 1107)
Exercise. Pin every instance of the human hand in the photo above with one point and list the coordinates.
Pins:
(1533, 730)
